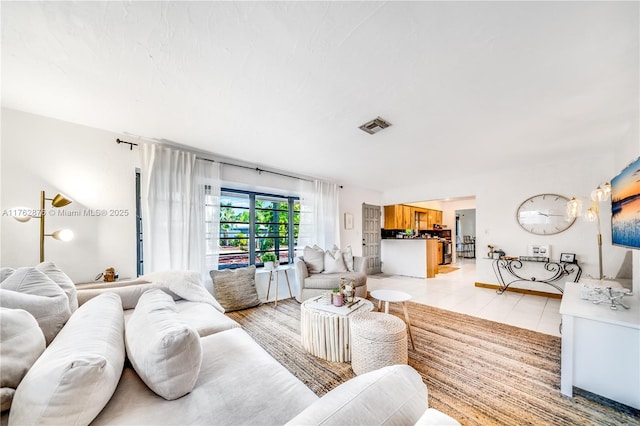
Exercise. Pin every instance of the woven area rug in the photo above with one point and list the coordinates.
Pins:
(478, 371)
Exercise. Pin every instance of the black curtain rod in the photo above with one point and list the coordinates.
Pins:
(254, 168)
(131, 145)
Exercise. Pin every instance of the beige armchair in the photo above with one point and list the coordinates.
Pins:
(310, 285)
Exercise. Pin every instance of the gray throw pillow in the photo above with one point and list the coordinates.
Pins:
(31, 290)
(21, 343)
(235, 289)
(314, 258)
(56, 274)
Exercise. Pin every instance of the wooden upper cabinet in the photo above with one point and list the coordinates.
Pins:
(400, 216)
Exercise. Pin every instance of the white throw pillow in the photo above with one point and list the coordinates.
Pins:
(51, 270)
(333, 262)
(77, 374)
(314, 259)
(21, 343)
(163, 349)
(186, 284)
(31, 290)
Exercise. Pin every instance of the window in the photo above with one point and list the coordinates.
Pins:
(252, 224)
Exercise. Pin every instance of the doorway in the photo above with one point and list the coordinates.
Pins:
(466, 233)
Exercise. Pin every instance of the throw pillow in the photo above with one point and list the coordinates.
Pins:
(235, 289)
(314, 259)
(186, 284)
(21, 343)
(347, 255)
(31, 290)
(76, 375)
(333, 262)
(163, 349)
(52, 271)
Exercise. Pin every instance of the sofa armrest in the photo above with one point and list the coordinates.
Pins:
(301, 272)
(360, 264)
(390, 395)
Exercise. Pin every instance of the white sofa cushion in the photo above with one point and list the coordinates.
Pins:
(77, 374)
(5, 273)
(31, 290)
(239, 384)
(314, 258)
(51, 270)
(163, 349)
(370, 399)
(21, 343)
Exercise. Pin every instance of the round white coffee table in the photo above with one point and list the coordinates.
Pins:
(324, 329)
(388, 296)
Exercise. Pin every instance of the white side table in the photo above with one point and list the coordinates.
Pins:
(388, 296)
(324, 329)
(283, 268)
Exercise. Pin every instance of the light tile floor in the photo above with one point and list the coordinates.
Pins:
(456, 291)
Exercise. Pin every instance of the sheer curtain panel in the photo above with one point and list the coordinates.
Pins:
(319, 215)
(180, 210)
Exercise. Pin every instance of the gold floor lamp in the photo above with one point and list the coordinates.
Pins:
(64, 234)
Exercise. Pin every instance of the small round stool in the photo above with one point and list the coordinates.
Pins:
(377, 340)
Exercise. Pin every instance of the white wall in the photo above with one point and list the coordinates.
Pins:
(498, 195)
(351, 200)
(88, 166)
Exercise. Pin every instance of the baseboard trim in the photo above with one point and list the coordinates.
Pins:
(521, 290)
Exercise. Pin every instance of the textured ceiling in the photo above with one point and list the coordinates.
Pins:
(468, 86)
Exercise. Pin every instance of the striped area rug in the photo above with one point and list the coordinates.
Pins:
(478, 371)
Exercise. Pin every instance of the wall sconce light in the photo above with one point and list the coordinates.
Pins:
(64, 234)
(592, 214)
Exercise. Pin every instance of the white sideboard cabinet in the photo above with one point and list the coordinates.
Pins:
(600, 347)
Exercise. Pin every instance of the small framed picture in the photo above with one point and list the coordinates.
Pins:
(536, 250)
(568, 257)
(348, 221)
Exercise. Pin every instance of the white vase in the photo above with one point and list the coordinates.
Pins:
(268, 265)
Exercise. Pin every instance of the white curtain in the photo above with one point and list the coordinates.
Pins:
(205, 229)
(180, 210)
(319, 214)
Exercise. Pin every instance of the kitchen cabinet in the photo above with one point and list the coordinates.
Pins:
(398, 216)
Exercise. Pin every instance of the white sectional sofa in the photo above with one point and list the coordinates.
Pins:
(84, 376)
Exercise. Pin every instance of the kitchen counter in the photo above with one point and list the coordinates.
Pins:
(411, 257)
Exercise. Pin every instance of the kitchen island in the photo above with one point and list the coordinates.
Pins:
(411, 257)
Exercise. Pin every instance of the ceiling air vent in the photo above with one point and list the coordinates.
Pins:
(375, 125)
